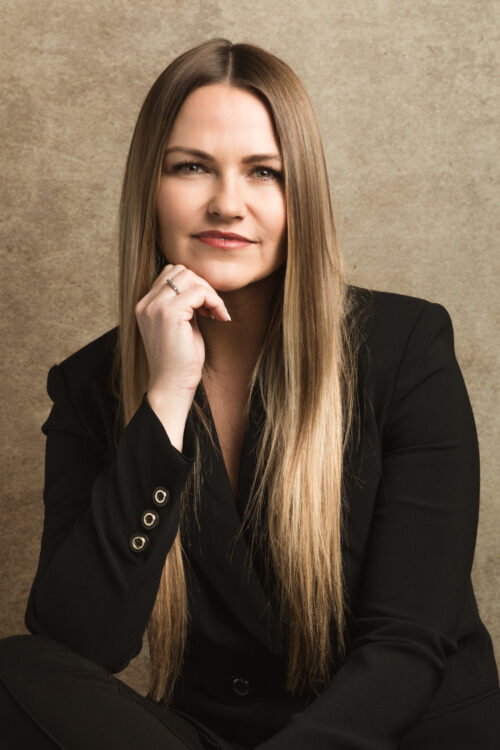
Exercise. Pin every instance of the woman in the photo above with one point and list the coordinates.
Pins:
(273, 472)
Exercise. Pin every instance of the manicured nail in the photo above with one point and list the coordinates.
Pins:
(212, 316)
(228, 316)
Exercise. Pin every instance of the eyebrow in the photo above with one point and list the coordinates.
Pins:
(203, 155)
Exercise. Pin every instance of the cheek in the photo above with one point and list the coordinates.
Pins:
(167, 210)
(174, 208)
(270, 211)
(276, 212)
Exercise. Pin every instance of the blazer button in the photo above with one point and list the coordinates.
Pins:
(150, 519)
(161, 496)
(138, 542)
(240, 686)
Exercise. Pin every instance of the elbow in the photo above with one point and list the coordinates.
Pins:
(110, 654)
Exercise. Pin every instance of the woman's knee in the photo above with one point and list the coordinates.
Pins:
(28, 657)
(17, 650)
(34, 673)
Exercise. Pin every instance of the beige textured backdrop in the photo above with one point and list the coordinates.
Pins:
(405, 93)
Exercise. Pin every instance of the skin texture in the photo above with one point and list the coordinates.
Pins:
(229, 124)
(227, 189)
(227, 194)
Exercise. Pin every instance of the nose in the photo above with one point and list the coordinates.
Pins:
(227, 199)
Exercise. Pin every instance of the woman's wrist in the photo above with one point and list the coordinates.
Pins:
(172, 409)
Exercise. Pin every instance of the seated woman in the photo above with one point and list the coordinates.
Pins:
(273, 472)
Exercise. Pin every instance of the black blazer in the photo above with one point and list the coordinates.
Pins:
(420, 671)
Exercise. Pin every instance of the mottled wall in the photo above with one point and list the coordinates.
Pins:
(405, 93)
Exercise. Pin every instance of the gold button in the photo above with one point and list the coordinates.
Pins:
(161, 496)
(240, 686)
(150, 519)
(138, 542)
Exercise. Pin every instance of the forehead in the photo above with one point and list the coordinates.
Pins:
(220, 114)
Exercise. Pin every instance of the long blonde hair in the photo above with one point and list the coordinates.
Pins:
(306, 371)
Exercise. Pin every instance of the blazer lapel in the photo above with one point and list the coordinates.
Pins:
(223, 554)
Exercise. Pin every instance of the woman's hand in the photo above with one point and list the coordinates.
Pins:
(174, 345)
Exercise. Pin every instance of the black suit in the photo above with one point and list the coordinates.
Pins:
(420, 671)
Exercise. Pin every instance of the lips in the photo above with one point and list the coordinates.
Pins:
(214, 233)
(223, 240)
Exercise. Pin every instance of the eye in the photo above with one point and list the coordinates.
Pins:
(267, 174)
(188, 167)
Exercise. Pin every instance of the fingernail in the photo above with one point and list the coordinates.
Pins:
(212, 316)
(228, 316)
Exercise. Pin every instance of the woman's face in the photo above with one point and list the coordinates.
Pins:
(222, 174)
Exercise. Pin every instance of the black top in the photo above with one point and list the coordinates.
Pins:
(417, 649)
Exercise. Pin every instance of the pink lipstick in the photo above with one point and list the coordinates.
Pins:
(223, 239)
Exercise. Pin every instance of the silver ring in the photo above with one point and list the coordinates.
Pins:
(174, 286)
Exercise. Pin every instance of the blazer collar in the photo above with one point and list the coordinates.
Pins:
(221, 552)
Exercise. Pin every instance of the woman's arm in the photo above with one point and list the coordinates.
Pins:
(91, 590)
(418, 562)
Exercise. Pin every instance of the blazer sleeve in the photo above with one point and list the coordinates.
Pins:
(91, 590)
(419, 559)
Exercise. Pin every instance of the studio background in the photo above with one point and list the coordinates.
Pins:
(407, 98)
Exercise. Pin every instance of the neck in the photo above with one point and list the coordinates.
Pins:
(232, 349)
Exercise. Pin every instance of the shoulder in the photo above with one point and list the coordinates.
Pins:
(397, 331)
(93, 362)
(387, 321)
(83, 389)
(395, 314)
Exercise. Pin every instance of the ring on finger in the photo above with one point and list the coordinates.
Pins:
(174, 286)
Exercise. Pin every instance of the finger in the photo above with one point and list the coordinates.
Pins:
(199, 297)
(168, 272)
(157, 284)
(183, 278)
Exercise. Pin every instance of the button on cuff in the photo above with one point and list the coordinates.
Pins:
(150, 519)
(161, 496)
(138, 542)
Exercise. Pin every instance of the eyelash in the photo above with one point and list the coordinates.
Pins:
(274, 173)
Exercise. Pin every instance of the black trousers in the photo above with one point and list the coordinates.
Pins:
(52, 697)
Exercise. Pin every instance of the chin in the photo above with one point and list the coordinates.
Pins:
(234, 282)
(222, 277)
(223, 284)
